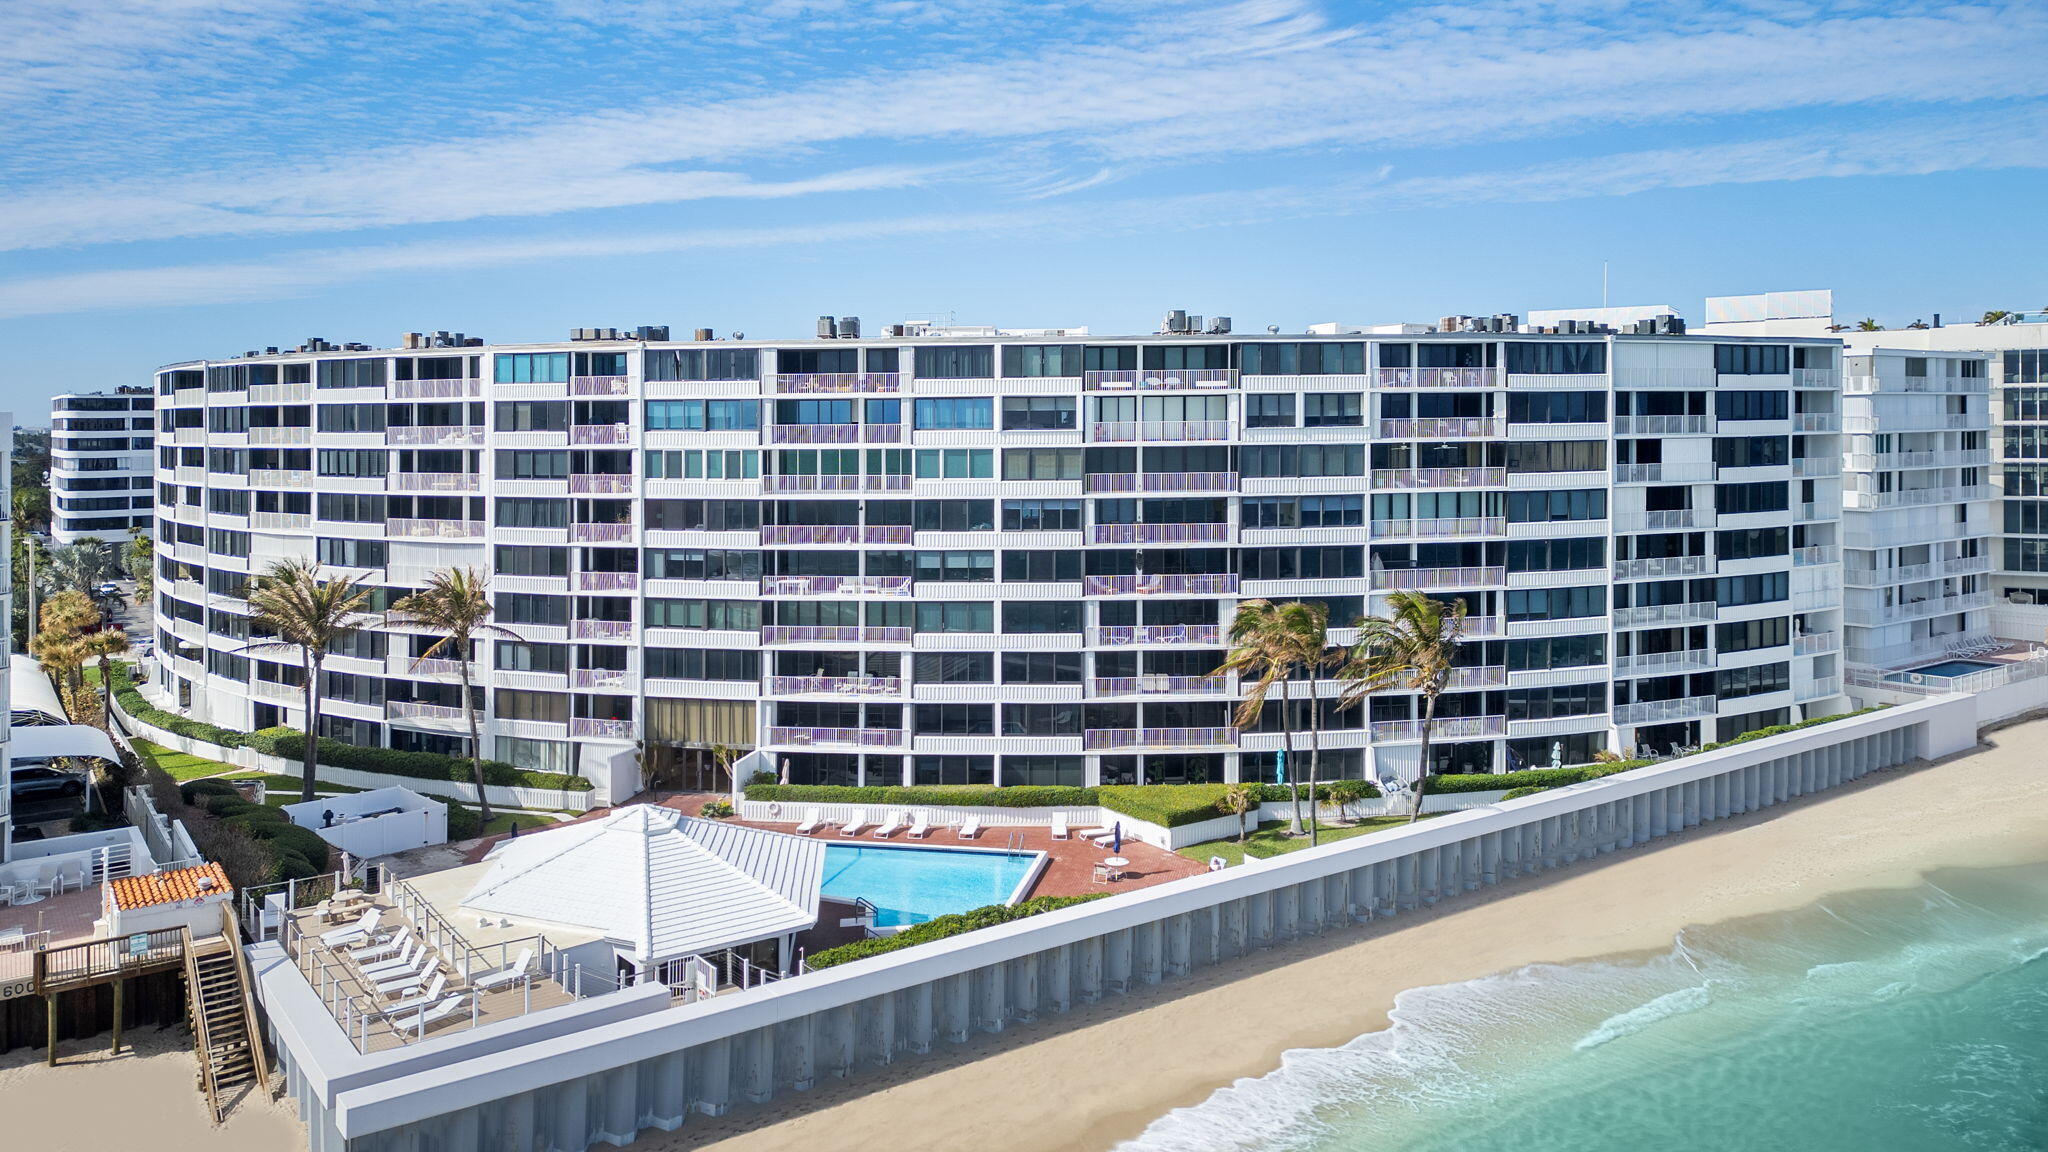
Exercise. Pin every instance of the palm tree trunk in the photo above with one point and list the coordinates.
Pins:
(1422, 770)
(1287, 743)
(312, 728)
(476, 744)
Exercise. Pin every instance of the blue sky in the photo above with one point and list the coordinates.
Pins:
(190, 178)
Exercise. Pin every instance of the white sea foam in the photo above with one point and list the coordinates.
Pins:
(1645, 1015)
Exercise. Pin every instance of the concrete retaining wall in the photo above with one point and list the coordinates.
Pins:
(604, 1084)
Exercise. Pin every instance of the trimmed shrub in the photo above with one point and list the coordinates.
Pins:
(463, 822)
(965, 796)
(941, 927)
(1781, 729)
(716, 809)
(1524, 790)
(1283, 793)
(130, 700)
(1168, 805)
(290, 744)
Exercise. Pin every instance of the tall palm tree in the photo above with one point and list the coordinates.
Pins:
(1276, 644)
(80, 567)
(1412, 648)
(300, 610)
(1993, 316)
(455, 604)
(1868, 325)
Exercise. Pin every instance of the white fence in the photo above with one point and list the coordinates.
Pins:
(567, 1088)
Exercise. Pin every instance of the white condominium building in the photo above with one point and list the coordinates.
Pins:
(1917, 521)
(100, 464)
(948, 558)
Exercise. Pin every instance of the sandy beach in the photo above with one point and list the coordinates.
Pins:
(1101, 1074)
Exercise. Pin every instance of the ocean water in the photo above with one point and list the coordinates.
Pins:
(1875, 1022)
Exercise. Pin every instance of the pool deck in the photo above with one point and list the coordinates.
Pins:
(1069, 871)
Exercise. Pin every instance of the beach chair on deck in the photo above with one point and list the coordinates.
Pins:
(408, 1026)
(406, 962)
(357, 931)
(365, 954)
(856, 824)
(810, 823)
(415, 1003)
(920, 826)
(891, 826)
(509, 974)
(410, 981)
(969, 828)
(1060, 831)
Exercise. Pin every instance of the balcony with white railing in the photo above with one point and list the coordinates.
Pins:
(1157, 379)
(836, 586)
(1815, 378)
(427, 529)
(833, 634)
(1816, 555)
(1817, 467)
(607, 581)
(1684, 425)
(1450, 527)
(601, 434)
(602, 629)
(600, 533)
(1438, 378)
(265, 437)
(1124, 431)
(1483, 676)
(837, 383)
(844, 737)
(1664, 567)
(1161, 482)
(1817, 422)
(1672, 472)
(1186, 584)
(427, 389)
(1656, 615)
(1910, 573)
(881, 433)
(835, 685)
(815, 433)
(280, 478)
(594, 728)
(600, 385)
(1817, 510)
(600, 484)
(1441, 427)
(445, 717)
(886, 534)
(604, 679)
(435, 482)
(298, 393)
(1478, 577)
(1117, 637)
(1441, 729)
(1665, 711)
(433, 435)
(1816, 643)
(1919, 609)
(1120, 739)
(1160, 685)
(810, 534)
(1159, 533)
(1664, 663)
(1917, 497)
(1524, 726)
(1439, 477)
(280, 521)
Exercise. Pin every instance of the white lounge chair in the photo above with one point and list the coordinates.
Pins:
(891, 826)
(855, 824)
(354, 932)
(414, 1003)
(390, 949)
(402, 983)
(1097, 836)
(406, 961)
(920, 826)
(509, 974)
(969, 828)
(1060, 831)
(426, 1018)
(810, 823)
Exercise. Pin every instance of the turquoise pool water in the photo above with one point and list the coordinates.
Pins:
(911, 885)
(1945, 668)
(1905, 1021)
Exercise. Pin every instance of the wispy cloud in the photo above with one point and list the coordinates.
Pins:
(1908, 148)
(1173, 86)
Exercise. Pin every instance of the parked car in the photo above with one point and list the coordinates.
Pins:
(110, 589)
(39, 782)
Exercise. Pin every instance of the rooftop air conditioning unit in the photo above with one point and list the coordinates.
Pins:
(849, 327)
(1219, 325)
(704, 335)
(826, 328)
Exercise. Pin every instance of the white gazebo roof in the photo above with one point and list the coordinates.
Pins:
(657, 883)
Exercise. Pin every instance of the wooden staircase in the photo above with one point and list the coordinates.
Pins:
(225, 1036)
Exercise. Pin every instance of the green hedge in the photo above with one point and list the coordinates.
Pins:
(1283, 793)
(1168, 805)
(1781, 729)
(295, 852)
(130, 699)
(290, 744)
(940, 927)
(965, 796)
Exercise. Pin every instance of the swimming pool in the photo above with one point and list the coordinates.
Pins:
(911, 885)
(1945, 668)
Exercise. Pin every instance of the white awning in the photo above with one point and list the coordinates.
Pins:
(29, 687)
(47, 741)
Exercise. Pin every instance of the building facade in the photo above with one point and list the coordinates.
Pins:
(1918, 522)
(102, 480)
(1012, 558)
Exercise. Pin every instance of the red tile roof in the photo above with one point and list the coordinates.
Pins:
(171, 887)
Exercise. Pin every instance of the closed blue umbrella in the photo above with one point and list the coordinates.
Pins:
(1116, 839)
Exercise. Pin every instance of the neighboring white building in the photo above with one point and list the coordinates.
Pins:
(1917, 521)
(101, 482)
(941, 558)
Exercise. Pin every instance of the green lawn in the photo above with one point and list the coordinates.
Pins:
(503, 822)
(1272, 839)
(180, 766)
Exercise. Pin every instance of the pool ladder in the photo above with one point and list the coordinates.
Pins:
(1014, 844)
